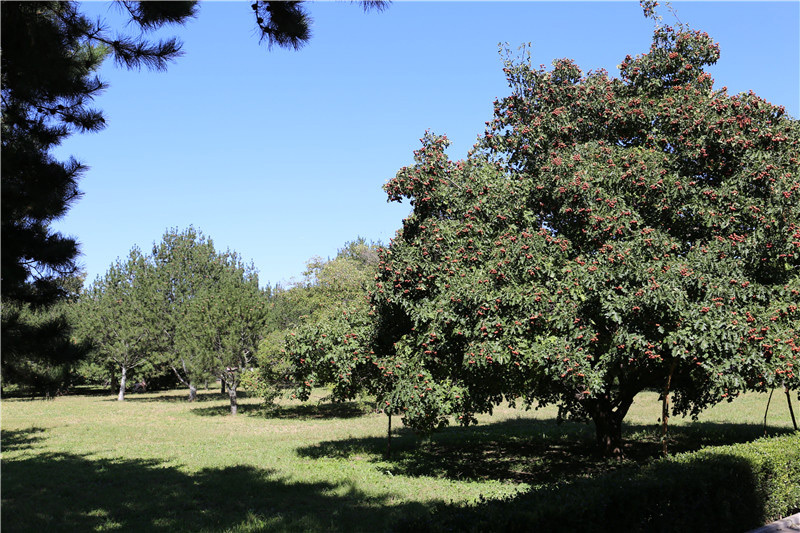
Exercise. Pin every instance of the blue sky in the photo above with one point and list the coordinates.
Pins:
(281, 155)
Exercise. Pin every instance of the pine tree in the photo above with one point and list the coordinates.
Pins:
(51, 53)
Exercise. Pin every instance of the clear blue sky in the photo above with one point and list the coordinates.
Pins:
(281, 155)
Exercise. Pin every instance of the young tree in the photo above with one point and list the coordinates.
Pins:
(224, 322)
(605, 236)
(185, 265)
(116, 315)
(337, 296)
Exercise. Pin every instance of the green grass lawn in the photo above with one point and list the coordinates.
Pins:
(158, 463)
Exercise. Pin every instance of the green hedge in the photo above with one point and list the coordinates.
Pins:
(724, 488)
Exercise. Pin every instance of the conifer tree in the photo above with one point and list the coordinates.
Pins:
(116, 315)
(50, 55)
(224, 323)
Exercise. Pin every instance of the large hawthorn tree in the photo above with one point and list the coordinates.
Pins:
(607, 235)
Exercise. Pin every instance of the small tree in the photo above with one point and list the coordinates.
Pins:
(116, 315)
(186, 265)
(224, 323)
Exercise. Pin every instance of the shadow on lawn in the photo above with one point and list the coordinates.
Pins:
(202, 396)
(20, 439)
(69, 492)
(532, 451)
(322, 411)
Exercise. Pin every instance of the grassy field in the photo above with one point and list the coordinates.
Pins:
(158, 463)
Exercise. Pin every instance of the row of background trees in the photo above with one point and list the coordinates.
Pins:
(186, 314)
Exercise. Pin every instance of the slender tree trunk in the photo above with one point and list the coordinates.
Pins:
(665, 408)
(791, 411)
(767, 410)
(232, 395)
(122, 381)
(222, 385)
(389, 437)
(192, 392)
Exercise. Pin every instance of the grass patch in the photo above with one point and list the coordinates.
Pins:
(157, 462)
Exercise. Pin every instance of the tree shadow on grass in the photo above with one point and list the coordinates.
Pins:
(202, 396)
(20, 439)
(531, 451)
(322, 411)
(69, 492)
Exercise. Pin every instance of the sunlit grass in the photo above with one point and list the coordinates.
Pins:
(159, 463)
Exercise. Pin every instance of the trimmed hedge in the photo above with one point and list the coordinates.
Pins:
(724, 488)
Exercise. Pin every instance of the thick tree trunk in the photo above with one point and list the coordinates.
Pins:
(232, 395)
(608, 433)
(192, 392)
(608, 422)
(122, 381)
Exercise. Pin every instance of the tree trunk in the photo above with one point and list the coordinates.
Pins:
(122, 381)
(791, 411)
(222, 385)
(665, 408)
(192, 392)
(232, 395)
(767, 410)
(608, 422)
(608, 433)
(389, 437)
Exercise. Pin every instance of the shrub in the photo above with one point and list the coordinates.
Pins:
(723, 488)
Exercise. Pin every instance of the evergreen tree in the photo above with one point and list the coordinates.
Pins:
(186, 265)
(224, 323)
(50, 53)
(116, 315)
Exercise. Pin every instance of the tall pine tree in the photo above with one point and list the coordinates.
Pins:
(50, 55)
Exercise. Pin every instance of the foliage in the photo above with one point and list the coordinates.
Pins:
(329, 342)
(39, 349)
(185, 265)
(727, 488)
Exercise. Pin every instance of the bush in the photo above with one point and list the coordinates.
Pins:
(724, 488)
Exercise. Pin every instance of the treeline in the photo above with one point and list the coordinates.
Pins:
(186, 315)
